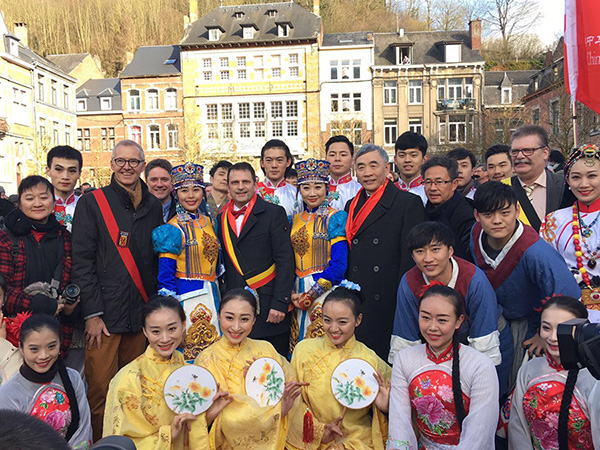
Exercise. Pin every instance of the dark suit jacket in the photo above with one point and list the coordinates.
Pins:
(265, 237)
(378, 258)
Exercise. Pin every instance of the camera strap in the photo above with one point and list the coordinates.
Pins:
(58, 272)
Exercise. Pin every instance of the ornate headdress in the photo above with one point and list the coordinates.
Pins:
(313, 170)
(588, 152)
(188, 174)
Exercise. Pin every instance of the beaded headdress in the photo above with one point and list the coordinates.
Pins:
(588, 152)
(313, 170)
(188, 174)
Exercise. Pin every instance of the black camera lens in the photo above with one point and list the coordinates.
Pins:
(70, 293)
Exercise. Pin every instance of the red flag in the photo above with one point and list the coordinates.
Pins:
(582, 51)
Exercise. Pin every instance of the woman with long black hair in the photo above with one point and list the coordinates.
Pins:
(552, 408)
(45, 387)
(454, 399)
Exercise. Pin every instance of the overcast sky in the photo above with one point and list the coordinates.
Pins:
(553, 21)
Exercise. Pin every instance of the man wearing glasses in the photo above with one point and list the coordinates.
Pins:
(538, 190)
(445, 204)
(115, 268)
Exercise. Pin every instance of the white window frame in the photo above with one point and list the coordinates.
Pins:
(134, 97)
(132, 135)
(390, 92)
(105, 103)
(154, 136)
(415, 125)
(82, 104)
(506, 96)
(415, 92)
(152, 100)
(172, 136)
(171, 99)
(214, 34)
(390, 131)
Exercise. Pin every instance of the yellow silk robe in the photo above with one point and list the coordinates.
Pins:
(135, 405)
(243, 424)
(314, 361)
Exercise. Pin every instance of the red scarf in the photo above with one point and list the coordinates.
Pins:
(353, 223)
(231, 218)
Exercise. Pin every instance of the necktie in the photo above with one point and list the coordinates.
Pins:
(239, 212)
(529, 191)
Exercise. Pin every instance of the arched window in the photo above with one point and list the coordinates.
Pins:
(154, 137)
(152, 104)
(172, 136)
(135, 101)
(135, 134)
(171, 99)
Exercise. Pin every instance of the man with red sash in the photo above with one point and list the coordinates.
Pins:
(115, 267)
(257, 252)
(379, 218)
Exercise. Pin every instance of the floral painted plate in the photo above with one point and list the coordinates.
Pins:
(190, 389)
(265, 381)
(353, 384)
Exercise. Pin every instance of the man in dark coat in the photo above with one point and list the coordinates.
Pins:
(379, 218)
(445, 203)
(257, 234)
(112, 295)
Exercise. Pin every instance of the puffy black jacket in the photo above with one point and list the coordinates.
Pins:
(106, 286)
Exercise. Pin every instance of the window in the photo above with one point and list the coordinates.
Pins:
(555, 117)
(258, 61)
(20, 102)
(390, 131)
(283, 30)
(214, 34)
(245, 129)
(276, 72)
(66, 97)
(356, 69)
(224, 62)
(442, 131)
(276, 110)
(213, 131)
(291, 109)
(105, 103)
(81, 104)
(258, 110)
(294, 72)
(403, 55)
(212, 112)
(442, 90)
(228, 130)
(457, 129)
(468, 87)
(83, 138)
(334, 102)
(356, 98)
(154, 136)
(390, 93)
(172, 136)
(248, 32)
(241, 74)
(207, 63)
(244, 110)
(238, 14)
(292, 128)
(455, 88)
(241, 61)
(535, 116)
(136, 134)
(452, 53)
(276, 60)
(259, 129)
(415, 125)
(207, 76)
(227, 111)
(54, 92)
(345, 69)
(357, 135)
(135, 102)
(277, 129)
(40, 88)
(415, 92)
(294, 58)
(67, 134)
(506, 95)
(271, 12)
(259, 74)
(152, 98)
(224, 75)
(55, 133)
(345, 102)
(108, 138)
(333, 67)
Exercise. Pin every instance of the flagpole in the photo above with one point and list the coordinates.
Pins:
(574, 117)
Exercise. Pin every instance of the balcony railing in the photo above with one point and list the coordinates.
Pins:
(455, 104)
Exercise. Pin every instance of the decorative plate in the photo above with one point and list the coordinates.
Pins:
(265, 381)
(190, 389)
(353, 384)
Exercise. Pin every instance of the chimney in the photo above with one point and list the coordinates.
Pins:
(401, 32)
(317, 7)
(21, 33)
(193, 10)
(549, 59)
(475, 32)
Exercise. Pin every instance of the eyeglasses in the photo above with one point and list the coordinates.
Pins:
(514, 152)
(438, 183)
(133, 163)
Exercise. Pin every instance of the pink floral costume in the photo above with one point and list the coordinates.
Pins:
(536, 404)
(422, 385)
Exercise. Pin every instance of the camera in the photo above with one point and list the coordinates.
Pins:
(579, 345)
(70, 293)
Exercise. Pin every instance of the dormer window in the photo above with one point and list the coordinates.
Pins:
(13, 44)
(81, 104)
(283, 30)
(214, 31)
(403, 54)
(271, 12)
(105, 103)
(248, 31)
(506, 95)
(452, 52)
(238, 15)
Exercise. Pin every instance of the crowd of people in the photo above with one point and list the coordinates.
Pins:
(448, 277)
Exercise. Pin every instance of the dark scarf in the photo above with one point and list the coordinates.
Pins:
(41, 258)
(40, 378)
(465, 190)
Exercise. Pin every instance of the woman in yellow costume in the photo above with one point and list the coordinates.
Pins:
(244, 424)
(320, 249)
(189, 258)
(314, 361)
(135, 406)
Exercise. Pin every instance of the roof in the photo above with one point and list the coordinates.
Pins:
(30, 57)
(156, 60)
(304, 25)
(427, 46)
(515, 76)
(94, 89)
(349, 39)
(68, 62)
